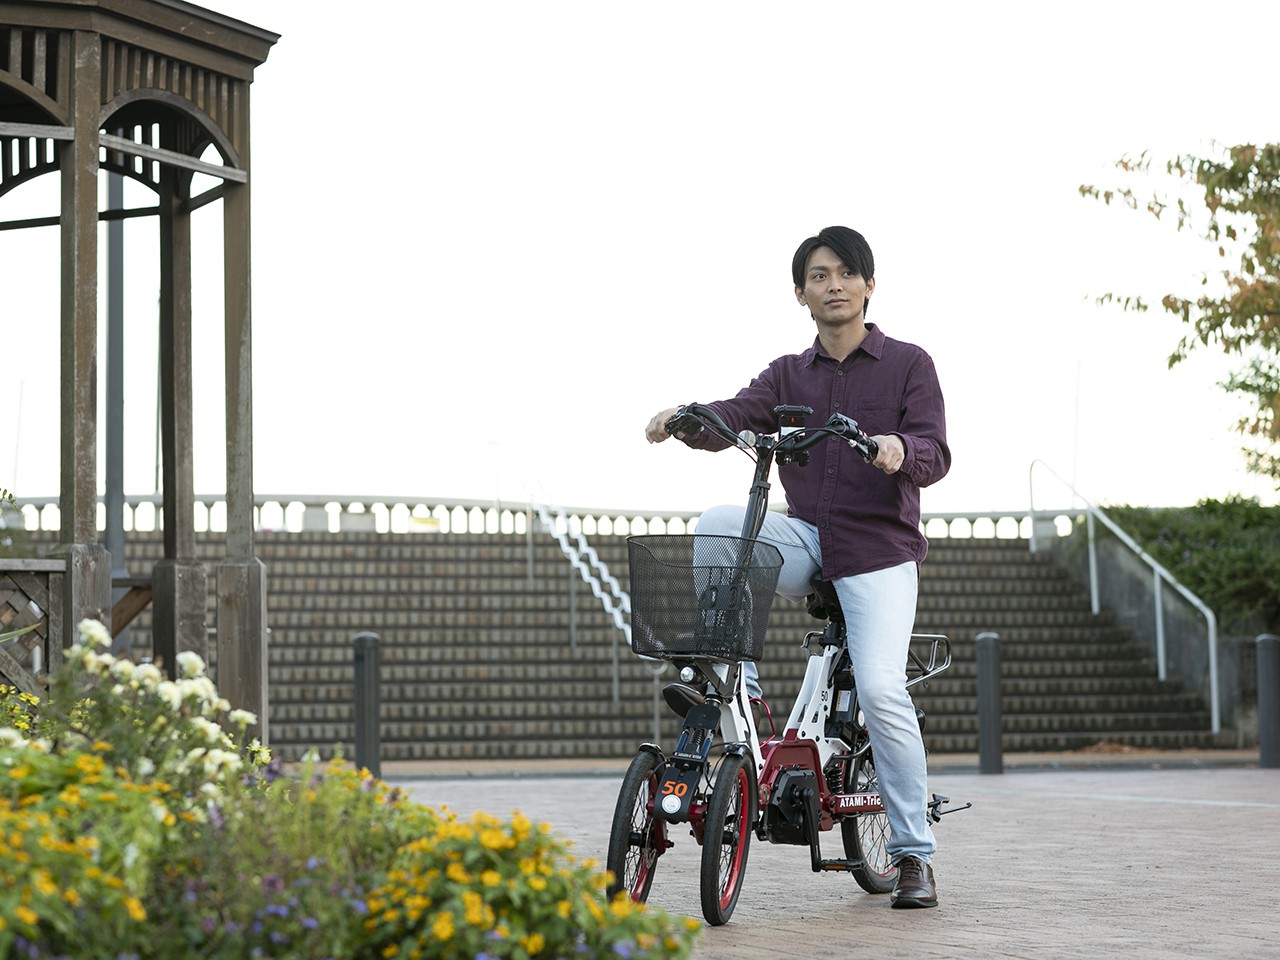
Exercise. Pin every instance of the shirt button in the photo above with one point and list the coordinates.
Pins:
(839, 373)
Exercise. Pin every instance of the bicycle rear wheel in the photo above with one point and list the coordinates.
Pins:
(866, 835)
(726, 837)
(637, 837)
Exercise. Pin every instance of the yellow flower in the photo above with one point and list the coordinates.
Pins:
(491, 878)
(533, 943)
(137, 911)
(564, 907)
(443, 926)
(538, 883)
(71, 896)
(45, 884)
(458, 873)
(390, 950)
(26, 915)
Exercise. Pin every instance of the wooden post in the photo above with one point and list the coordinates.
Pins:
(242, 578)
(179, 583)
(87, 584)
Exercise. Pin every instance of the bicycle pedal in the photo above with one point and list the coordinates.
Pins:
(839, 865)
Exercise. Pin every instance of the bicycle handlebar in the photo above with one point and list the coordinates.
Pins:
(692, 417)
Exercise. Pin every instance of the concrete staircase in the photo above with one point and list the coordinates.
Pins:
(481, 660)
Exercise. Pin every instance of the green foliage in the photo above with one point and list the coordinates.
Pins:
(1227, 552)
(1240, 191)
(127, 809)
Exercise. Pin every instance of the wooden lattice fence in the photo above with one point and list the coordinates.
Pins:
(30, 593)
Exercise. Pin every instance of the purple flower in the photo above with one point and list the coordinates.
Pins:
(272, 884)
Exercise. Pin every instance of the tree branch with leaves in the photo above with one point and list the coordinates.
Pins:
(1240, 314)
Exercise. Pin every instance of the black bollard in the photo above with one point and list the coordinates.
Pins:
(990, 759)
(1269, 701)
(368, 703)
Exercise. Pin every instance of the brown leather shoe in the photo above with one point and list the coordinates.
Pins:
(915, 886)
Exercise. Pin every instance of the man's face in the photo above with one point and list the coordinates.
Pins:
(834, 293)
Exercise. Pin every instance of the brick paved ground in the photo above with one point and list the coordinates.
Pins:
(1146, 857)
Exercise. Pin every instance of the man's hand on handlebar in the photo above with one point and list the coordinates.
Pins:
(891, 453)
(656, 431)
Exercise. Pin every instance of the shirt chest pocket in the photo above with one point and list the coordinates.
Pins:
(878, 414)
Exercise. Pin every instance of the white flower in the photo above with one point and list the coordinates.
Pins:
(242, 718)
(211, 732)
(93, 633)
(131, 854)
(216, 761)
(200, 689)
(190, 664)
(168, 691)
(97, 662)
(146, 767)
(147, 675)
(9, 737)
(122, 669)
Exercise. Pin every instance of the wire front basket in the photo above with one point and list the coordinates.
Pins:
(701, 596)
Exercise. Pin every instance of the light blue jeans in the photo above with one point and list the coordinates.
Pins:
(879, 613)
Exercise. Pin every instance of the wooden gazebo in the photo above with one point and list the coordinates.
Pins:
(142, 88)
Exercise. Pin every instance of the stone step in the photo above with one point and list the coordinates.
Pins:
(477, 660)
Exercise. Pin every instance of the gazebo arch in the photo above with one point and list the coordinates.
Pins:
(142, 88)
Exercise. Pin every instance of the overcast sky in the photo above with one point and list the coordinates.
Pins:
(490, 240)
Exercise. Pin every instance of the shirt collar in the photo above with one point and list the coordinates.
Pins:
(872, 344)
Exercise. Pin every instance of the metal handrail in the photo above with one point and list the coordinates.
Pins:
(612, 597)
(1159, 576)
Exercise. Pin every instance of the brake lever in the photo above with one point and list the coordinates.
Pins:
(685, 423)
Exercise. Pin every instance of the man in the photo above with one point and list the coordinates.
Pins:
(859, 527)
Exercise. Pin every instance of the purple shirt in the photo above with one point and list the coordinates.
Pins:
(866, 520)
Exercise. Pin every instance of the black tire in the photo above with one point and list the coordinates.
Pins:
(726, 837)
(866, 835)
(637, 837)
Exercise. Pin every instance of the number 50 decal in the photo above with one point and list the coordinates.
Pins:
(677, 787)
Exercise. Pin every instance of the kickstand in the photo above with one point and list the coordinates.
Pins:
(936, 813)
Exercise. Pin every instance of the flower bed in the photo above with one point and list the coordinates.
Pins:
(138, 819)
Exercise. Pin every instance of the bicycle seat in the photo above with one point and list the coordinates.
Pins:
(823, 604)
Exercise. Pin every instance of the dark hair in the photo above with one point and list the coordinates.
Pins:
(849, 245)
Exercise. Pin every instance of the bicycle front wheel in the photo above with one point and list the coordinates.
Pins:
(866, 835)
(726, 837)
(637, 837)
